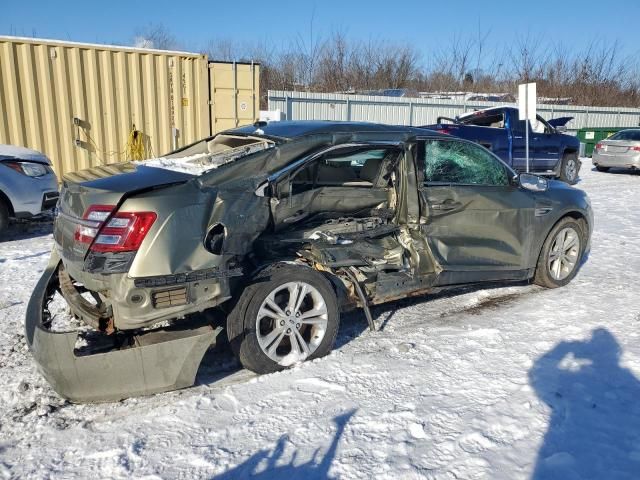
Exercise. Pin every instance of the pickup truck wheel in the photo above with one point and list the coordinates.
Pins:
(602, 169)
(561, 253)
(4, 216)
(569, 168)
(288, 315)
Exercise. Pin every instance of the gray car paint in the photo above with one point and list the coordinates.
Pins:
(188, 208)
(618, 153)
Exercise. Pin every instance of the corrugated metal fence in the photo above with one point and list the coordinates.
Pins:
(78, 103)
(423, 111)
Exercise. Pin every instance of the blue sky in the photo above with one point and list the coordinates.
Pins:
(427, 24)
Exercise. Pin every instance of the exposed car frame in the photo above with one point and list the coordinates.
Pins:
(271, 227)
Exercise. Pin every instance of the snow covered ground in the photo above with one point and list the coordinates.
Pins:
(507, 383)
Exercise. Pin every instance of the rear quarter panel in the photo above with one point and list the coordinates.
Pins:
(174, 243)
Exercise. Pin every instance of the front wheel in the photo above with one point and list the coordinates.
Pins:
(288, 315)
(569, 168)
(561, 254)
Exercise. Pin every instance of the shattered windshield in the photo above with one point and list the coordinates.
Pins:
(462, 163)
(207, 155)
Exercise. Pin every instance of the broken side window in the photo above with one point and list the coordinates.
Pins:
(454, 162)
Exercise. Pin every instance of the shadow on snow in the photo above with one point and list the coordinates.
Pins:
(26, 229)
(594, 429)
(269, 464)
(220, 363)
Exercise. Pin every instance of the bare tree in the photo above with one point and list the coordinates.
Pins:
(597, 75)
(155, 36)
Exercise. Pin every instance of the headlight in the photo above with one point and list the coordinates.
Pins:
(30, 169)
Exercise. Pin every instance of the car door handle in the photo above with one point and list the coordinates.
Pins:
(299, 215)
(445, 206)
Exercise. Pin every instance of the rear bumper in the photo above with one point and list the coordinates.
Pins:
(137, 302)
(616, 161)
(153, 361)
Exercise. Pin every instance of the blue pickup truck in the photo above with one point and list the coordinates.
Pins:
(500, 130)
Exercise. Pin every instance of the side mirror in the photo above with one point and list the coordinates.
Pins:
(533, 183)
(561, 128)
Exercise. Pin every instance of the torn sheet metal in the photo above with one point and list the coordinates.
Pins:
(158, 361)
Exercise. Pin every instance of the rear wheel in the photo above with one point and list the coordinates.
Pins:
(4, 216)
(569, 168)
(561, 254)
(288, 315)
(602, 169)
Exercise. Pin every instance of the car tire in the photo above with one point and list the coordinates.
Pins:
(559, 259)
(267, 338)
(569, 168)
(602, 169)
(4, 216)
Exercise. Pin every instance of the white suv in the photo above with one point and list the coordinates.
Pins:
(28, 186)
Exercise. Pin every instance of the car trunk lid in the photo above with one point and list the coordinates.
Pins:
(106, 185)
(620, 147)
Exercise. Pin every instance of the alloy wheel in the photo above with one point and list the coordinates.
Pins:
(291, 322)
(563, 256)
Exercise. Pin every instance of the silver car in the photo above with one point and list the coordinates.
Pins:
(28, 186)
(620, 150)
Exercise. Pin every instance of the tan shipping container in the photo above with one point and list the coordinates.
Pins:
(234, 93)
(79, 103)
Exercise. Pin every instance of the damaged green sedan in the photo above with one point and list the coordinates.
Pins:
(277, 229)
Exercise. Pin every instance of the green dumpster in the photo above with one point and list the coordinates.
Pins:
(591, 136)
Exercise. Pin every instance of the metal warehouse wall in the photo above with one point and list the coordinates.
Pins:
(422, 111)
(172, 98)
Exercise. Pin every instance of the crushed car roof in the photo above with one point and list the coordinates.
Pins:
(298, 128)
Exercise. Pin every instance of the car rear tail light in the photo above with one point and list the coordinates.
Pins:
(87, 230)
(123, 232)
(635, 149)
(598, 146)
(106, 231)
